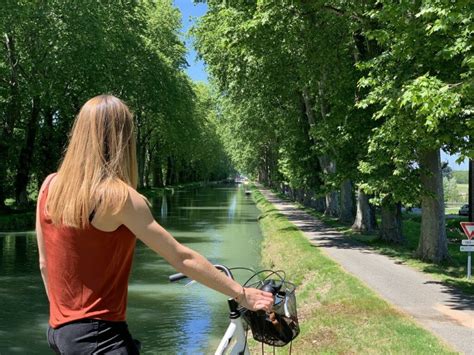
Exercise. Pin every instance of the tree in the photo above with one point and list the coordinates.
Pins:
(339, 95)
(451, 192)
(422, 92)
(56, 55)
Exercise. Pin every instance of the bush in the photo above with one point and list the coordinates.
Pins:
(21, 221)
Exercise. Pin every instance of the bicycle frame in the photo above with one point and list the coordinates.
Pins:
(235, 331)
(235, 337)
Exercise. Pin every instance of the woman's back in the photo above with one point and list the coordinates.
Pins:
(87, 270)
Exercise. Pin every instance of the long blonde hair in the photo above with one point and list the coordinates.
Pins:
(100, 161)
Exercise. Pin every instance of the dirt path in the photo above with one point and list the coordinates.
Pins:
(443, 310)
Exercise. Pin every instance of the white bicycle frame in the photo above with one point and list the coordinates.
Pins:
(237, 335)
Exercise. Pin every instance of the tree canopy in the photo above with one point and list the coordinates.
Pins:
(56, 55)
(328, 96)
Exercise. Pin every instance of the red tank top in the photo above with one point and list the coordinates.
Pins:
(87, 270)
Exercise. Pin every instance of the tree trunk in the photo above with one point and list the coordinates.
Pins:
(169, 172)
(365, 216)
(147, 168)
(433, 244)
(327, 165)
(141, 157)
(13, 112)
(157, 173)
(177, 177)
(46, 161)
(332, 197)
(164, 172)
(318, 203)
(347, 202)
(4, 154)
(172, 172)
(26, 155)
(308, 113)
(263, 171)
(332, 204)
(308, 108)
(391, 225)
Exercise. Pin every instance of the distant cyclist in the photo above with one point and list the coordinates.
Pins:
(89, 215)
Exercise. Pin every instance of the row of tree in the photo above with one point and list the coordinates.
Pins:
(55, 55)
(347, 100)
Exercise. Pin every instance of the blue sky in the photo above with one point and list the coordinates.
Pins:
(452, 162)
(190, 11)
(197, 69)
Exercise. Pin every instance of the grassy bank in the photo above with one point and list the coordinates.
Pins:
(337, 313)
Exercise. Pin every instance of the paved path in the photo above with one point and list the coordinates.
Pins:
(444, 310)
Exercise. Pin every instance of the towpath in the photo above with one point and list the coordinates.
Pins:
(443, 310)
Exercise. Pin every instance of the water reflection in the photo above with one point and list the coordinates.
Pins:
(219, 222)
(23, 317)
(232, 208)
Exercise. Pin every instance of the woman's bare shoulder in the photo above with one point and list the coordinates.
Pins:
(49, 180)
(134, 195)
(135, 213)
(135, 200)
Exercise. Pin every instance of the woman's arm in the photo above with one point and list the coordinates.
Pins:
(136, 215)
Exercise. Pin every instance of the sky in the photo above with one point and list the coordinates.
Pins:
(197, 69)
(451, 159)
(190, 11)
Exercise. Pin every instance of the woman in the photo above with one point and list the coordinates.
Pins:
(88, 218)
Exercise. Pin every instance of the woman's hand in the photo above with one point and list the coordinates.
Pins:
(255, 299)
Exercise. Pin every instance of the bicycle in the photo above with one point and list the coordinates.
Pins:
(277, 328)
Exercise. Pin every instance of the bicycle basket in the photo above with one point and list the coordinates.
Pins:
(280, 326)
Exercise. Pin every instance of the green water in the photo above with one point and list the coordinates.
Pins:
(220, 222)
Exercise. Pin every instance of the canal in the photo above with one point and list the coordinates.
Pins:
(218, 221)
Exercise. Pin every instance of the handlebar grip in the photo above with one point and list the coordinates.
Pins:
(177, 277)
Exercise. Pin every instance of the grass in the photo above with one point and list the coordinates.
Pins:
(337, 313)
(452, 210)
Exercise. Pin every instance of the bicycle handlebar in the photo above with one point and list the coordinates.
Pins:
(177, 277)
(180, 275)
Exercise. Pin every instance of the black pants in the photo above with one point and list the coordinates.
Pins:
(91, 336)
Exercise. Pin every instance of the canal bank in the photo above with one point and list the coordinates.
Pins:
(338, 313)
